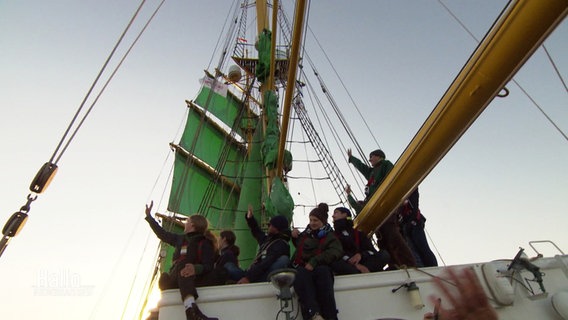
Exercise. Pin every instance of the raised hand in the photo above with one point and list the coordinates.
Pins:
(249, 211)
(149, 209)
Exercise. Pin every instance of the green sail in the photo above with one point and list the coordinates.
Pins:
(210, 166)
(251, 193)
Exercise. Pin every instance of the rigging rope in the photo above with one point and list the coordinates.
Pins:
(333, 130)
(513, 80)
(310, 171)
(362, 154)
(541, 110)
(213, 185)
(347, 91)
(48, 170)
(220, 34)
(555, 68)
(96, 81)
(343, 122)
(337, 179)
(189, 161)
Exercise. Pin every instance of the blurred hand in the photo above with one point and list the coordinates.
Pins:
(362, 268)
(309, 267)
(243, 280)
(249, 211)
(188, 270)
(295, 233)
(355, 259)
(348, 189)
(349, 153)
(434, 315)
(149, 209)
(468, 300)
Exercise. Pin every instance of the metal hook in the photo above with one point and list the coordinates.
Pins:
(504, 94)
(26, 207)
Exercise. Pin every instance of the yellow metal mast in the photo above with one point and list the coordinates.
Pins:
(290, 83)
(271, 76)
(513, 39)
(261, 16)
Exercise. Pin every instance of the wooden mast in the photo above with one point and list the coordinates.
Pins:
(513, 39)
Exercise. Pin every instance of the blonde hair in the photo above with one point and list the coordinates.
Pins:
(201, 225)
(199, 222)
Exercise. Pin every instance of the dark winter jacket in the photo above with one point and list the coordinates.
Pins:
(228, 254)
(409, 212)
(191, 248)
(271, 247)
(353, 241)
(317, 247)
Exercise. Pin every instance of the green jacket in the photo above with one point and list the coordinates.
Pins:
(375, 175)
(317, 250)
(354, 204)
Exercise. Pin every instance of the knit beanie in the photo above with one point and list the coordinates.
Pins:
(320, 212)
(279, 222)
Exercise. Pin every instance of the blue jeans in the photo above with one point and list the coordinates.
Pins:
(236, 273)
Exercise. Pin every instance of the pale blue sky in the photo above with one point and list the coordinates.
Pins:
(503, 184)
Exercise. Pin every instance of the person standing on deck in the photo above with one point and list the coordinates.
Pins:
(360, 256)
(412, 227)
(388, 235)
(193, 260)
(317, 248)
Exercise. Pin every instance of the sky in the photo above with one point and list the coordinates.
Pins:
(85, 243)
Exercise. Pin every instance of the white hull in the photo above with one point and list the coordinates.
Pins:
(370, 296)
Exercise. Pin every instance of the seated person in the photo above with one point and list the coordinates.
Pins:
(273, 252)
(192, 260)
(228, 251)
(317, 248)
(360, 256)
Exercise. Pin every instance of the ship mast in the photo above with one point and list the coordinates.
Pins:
(262, 23)
(294, 59)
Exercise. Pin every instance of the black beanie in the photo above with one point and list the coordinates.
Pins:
(320, 212)
(279, 222)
